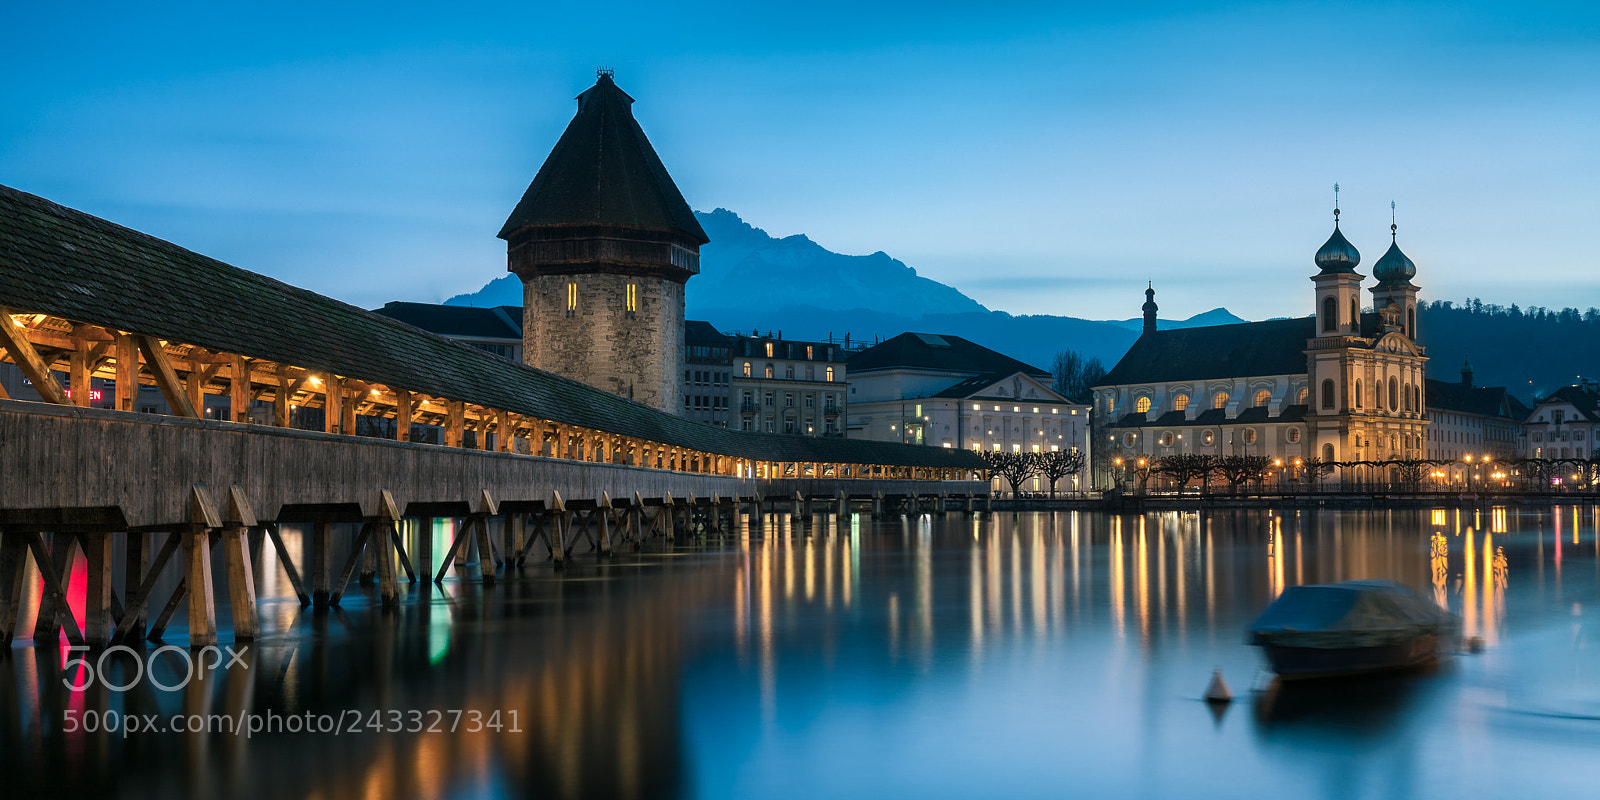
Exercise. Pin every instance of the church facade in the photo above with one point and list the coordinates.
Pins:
(1341, 385)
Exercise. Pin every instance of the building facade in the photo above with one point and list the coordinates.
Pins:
(1340, 385)
(1477, 422)
(1563, 425)
(946, 391)
(785, 386)
(707, 375)
(604, 243)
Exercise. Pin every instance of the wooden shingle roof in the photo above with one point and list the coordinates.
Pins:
(59, 261)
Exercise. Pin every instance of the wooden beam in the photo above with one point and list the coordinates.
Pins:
(455, 424)
(15, 340)
(239, 389)
(166, 378)
(402, 415)
(332, 405)
(127, 373)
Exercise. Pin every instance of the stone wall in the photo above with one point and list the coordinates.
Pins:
(637, 357)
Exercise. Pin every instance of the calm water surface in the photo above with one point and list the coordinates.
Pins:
(1032, 654)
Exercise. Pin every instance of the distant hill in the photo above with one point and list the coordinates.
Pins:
(1529, 351)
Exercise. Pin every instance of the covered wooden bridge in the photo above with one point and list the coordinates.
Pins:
(84, 299)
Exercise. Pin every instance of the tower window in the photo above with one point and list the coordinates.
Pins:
(633, 299)
(1358, 394)
(1355, 315)
(1327, 393)
(572, 299)
(1330, 315)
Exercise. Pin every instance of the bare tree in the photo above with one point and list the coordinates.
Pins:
(1185, 467)
(1058, 464)
(1014, 467)
(1314, 469)
(1075, 375)
(1238, 469)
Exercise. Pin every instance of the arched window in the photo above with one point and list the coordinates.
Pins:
(1355, 315)
(747, 369)
(828, 374)
(1327, 453)
(1358, 394)
(1408, 397)
(1330, 315)
(1180, 402)
(1263, 397)
(1219, 400)
(769, 370)
(1327, 393)
(1394, 394)
(1411, 322)
(1305, 395)
(1142, 405)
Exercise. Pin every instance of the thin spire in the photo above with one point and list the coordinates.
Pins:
(1336, 205)
(1394, 229)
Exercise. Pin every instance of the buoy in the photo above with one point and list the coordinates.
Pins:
(1218, 692)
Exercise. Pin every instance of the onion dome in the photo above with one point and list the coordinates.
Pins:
(1338, 255)
(1394, 269)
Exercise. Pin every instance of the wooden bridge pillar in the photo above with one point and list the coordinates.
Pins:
(843, 510)
(603, 511)
(13, 567)
(52, 605)
(667, 509)
(98, 621)
(241, 574)
(877, 505)
(203, 519)
(321, 564)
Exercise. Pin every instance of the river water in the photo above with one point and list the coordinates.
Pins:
(1034, 654)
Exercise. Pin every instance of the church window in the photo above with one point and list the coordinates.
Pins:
(1263, 397)
(1142, 405)
(1330, 315)
(1355, 315)
(1219, 400)
(572, 299)
(828, 375)
(1294, 435)
(1249, 435)
(1304, 396)
(1358, 394)
(633, 299)
(1411, 322)
(1394, 394)
(1327, 393)
(1207, 437)
(1180, 402)
(1327, 454)
(747, 369)
(1167, 439)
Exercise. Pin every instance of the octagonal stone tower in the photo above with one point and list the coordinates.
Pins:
(604, 243)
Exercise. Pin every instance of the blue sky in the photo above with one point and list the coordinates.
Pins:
(1043, 158)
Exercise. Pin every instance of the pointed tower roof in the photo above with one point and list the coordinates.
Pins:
(1394, 268)
(603, 171)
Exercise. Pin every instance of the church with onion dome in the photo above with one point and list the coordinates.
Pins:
(1339, 385)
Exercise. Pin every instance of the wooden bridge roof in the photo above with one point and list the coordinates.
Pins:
(59, 261)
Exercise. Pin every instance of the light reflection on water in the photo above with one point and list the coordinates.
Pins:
(1001, 654)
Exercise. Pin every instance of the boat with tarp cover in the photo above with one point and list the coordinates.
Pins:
(1350, 628)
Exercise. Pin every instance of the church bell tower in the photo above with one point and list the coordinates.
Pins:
(604, 243)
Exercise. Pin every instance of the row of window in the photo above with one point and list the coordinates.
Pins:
(703, 377)
(1207, 437)
(789, 426)
(630, 302)
(788, 400)
(1408, 395)
(771, 351)
(788, 372)
(705, 402)
(1568, 436)
(1180, 401)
